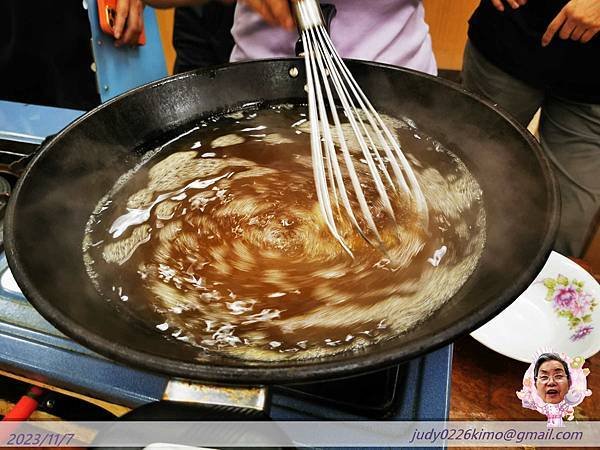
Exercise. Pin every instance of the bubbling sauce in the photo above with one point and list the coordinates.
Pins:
(216, 239)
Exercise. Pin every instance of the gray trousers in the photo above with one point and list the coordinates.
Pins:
(569, 134)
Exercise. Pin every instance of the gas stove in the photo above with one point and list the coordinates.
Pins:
(31, 347)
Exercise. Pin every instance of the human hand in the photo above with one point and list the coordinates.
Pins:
(579, 20)
(129, 22)
(514, 4)
(275, 12)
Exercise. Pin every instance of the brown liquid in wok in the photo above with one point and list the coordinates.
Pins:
(217, 240)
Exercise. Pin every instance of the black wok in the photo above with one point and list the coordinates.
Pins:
(53, 200)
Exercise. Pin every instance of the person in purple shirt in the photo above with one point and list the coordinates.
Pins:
(387, 31)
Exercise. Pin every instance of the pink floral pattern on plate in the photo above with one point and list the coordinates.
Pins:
(570, 301)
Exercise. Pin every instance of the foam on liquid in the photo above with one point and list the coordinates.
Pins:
(216, 239)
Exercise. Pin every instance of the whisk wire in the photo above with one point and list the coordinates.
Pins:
(370, 113)
(317, 151)
(345, 152)
(327, 72)
(415, 190)
(353, 114)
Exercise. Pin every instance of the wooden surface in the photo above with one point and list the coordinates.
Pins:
(165, 26)
(448, 28)
(484, 385)
(117, 410)
(484, 382)
(592, 255)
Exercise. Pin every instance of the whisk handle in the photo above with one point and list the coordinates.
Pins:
(328, 12)
(307, 14)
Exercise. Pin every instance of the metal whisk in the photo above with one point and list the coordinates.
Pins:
(328, 78)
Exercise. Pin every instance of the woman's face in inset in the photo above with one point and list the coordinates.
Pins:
(552, 383)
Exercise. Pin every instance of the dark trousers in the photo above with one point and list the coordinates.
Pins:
(569, 134)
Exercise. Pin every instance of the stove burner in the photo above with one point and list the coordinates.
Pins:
(13, 158)
(5, 189)
(373, 395)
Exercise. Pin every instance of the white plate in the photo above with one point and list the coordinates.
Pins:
(533, 320)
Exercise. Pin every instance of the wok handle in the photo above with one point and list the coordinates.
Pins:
(233, 401)
(186, 401)
(185, 411)
(18, 167)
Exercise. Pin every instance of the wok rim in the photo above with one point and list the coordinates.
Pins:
(299, 371)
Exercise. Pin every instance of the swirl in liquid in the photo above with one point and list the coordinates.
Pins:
(217, 240)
